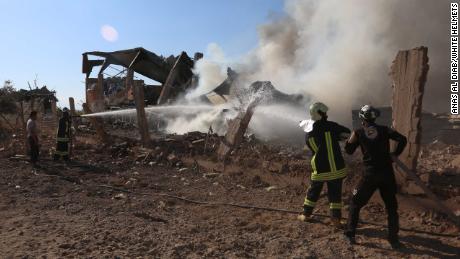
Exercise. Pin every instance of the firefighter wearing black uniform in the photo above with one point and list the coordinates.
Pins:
(327, 163)
(63, 136)
(374, 141)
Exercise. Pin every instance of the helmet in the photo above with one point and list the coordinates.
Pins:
(316, 109)
(368, 113)
(65, 111)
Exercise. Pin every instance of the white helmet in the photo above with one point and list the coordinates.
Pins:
(368, 113)
(316, 109)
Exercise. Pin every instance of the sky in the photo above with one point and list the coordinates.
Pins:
(44, 39)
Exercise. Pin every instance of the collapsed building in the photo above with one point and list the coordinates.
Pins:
(174, 77)
(173, 74)
(39, 99)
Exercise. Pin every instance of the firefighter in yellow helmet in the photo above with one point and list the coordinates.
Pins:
(327, 163)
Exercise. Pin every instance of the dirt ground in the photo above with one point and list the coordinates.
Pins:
(100, 207)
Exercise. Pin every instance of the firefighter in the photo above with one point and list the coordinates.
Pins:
(63, 136)
(327, 163)
(374, 141)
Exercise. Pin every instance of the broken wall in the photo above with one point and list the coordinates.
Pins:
(408, 72)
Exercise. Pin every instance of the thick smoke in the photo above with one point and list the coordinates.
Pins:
(339, 52)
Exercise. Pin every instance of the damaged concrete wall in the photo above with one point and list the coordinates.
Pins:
(95, 93)
(408, 72)
(235, 133)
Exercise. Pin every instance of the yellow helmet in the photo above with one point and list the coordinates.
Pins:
(316, 109)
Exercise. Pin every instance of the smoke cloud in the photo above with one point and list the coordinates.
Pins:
(340, 52)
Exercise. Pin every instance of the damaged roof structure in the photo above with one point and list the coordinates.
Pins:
(174, 73)
(223, 92)
(177, 69)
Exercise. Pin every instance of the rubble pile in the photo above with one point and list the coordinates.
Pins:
(439, 167)
(173, 150)
(167, 150)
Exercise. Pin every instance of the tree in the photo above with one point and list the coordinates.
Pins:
(8, 97)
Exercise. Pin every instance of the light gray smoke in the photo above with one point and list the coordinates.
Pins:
(336, 52)
(339, 52)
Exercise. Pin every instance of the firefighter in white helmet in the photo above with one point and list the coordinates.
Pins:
(328, 165)
(374, 141)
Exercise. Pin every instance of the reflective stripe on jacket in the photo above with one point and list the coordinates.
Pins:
(327, 162)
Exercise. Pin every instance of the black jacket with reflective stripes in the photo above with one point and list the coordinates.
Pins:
(64, 130)
(374, 141)
(327, 161)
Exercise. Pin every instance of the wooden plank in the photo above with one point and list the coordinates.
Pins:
(171, 79)
(142, 124)
(413, 176)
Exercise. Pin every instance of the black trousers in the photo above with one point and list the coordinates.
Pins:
(34, 149)
(386, 184)
(334, 195)
(62, 150)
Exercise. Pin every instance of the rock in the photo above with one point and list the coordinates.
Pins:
(270, 188)
(258, 182)
(265, 165)
(426, 177)
(120, 196)
(456, 162)
(284, 169)
(413, 189)
(211, 175)
(241, 186)
(172, 158)
(65, 246)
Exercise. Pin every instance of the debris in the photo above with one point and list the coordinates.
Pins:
(211, 175)
(236, 129)
(140, 111)
(179, 74)
(456, 163)
(413, 189)
(120, 196)
(241, 186)
(270, 188)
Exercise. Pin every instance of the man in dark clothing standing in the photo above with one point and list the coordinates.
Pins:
(32, 138)
(374, 141)
(327, 162)
(63, 136)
